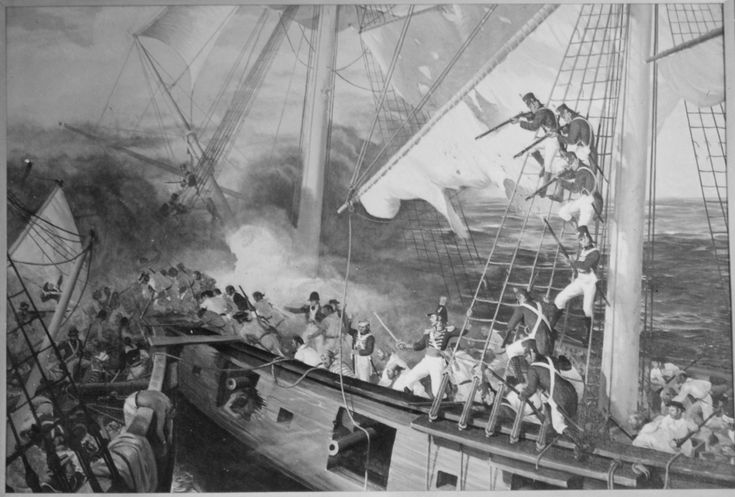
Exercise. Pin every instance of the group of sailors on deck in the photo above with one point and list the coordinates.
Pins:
(681, 405)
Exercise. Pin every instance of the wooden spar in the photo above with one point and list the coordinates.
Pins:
(621, 346)
(315, 135)
(148, 160)
(688, 44)
(191, 136)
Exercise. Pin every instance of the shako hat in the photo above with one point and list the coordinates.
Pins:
(563, 108)
(529, 97)
(314, 296)
(73, 331)
(582, 230)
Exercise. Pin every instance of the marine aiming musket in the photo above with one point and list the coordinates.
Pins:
(507, 121)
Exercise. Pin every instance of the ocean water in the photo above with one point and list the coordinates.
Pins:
(691, 302)
(691, 318)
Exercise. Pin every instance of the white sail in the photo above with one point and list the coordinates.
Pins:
(444, 154)
(189, 30)
(433, 39)
(696, 74)
(45, 251)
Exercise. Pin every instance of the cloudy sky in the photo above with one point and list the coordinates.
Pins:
(64, 62)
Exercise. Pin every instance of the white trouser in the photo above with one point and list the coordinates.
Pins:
(584, 284)
(431, 366)
(582, 207)
(528, 415)
(515, 349)
(557, 418)
(552, 162)
(363, 367)
(581, 151)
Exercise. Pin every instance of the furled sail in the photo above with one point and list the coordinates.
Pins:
(189, 30)
(444, 154)
(45, 252)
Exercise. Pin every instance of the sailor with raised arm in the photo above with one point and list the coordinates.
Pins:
(585, 282)
(435, 340)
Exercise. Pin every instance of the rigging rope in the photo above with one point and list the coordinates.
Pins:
(381, 101)
(430, 92)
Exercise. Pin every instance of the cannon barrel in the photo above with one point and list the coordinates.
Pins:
(241, 382)
(354, 438)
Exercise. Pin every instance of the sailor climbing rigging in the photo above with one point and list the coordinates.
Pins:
(535, 317)
(585, 282)
(545, 119)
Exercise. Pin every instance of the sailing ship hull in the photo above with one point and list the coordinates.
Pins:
(296, 424)
(299, 418)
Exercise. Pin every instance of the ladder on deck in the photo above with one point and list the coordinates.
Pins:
(707, 131)
(35, 432)
(524, 254)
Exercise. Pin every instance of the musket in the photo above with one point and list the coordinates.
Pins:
(682, 441)
(534, 143)
(561, 245)
(696, 360)
(543, 187)
(507, 121)
(251, 307)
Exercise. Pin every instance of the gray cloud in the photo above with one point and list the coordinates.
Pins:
(44, 26)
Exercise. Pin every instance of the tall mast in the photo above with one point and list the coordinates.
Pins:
(315, 136)
(191, 137)
(623, 325)
(728, 22)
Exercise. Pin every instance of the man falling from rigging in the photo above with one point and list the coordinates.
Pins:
(545, 119)
(585, 281)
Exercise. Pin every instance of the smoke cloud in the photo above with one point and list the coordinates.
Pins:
(120, 198)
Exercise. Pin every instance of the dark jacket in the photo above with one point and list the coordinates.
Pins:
(542, 117)
(304, 309)
(441, 338)
(369, 342)
(564, 394)
(544, 336)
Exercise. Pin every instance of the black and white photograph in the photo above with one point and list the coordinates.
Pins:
(318, 247)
